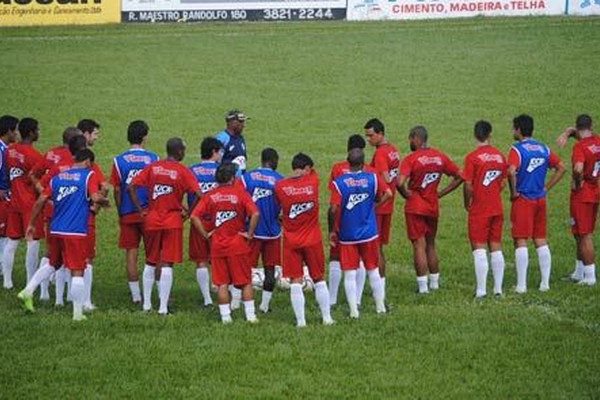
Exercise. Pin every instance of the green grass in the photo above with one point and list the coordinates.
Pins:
(306, 87)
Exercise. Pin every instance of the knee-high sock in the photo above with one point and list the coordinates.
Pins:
(297, 298)
(61, 280)
(545, 259)
(266, 301)
(498, 270)
(204, 284)
(481, 271)
(88, 279)
(522, 262)
(236, 297)
(69, 280)
(376, 286)
(134, 288)
(78, 294)
(32, 257)
(250, 310)
(2, 246)
(350, 287)
(8, 260)
(361, 278)
(166, 282)
(44, 292)
(148, 278)
(38, 277)
(322, 296)
(335, 277)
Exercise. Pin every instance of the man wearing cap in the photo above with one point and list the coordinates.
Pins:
(234, 144)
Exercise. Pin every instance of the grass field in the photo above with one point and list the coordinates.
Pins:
(306, 87)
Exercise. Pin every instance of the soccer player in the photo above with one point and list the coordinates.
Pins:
(260, 184)
(8, 135)
(234, 144)
(484, 175)
(386, 162)
(225, 210)
(298, 196)
(423, 169)
(355, 197)
(211, 152)
(71, 191)
(167, 182)
(90, 129)
(528, 163)
(21, 158)
(126, 166)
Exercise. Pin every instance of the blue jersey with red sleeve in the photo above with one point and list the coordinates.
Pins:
(357, 195)
(4, 181)
(205, 175)
(532, 160)
(126, 167)
(260, 184)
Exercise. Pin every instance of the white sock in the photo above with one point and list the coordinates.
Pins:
(225, 312)
(481, 271)
(297, 297)
(148, 279)
(434, 281)
(361, 278)
(166, 282)
(88, 279)
(335, 277)
(522, 263)
(589, 274)
(2, 246)
(266, 301)
(322, 296)
(78, 294)
(204, 284)
(44, 285)
(236, 297)
(498, 270)
(32, 257)
(545, 260)
(68, 279)
(377, 288)
(577, 275)
(250, 311)
(134, 288)
(383, 287)
(422, 283)
(8, 260)
(40, 275)
(61, 280)
(350, 286)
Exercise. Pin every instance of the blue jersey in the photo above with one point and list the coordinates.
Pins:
(126, 167)
(235, 150)
(358, 192)
(260, 184)
(534, 160)
(205, 175)
(69, 191)
(4, 181)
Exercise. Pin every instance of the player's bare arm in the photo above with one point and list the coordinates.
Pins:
(512, 182)
(132, 190)
(35, 181)
(563, 138)
(577, 175)
(254, 218)
(467, 194)
(331, 216)
(559, 172)
(457, 180)
(401, 186)
(198, 225)
(35, 213)
(117, 196)
(387, 195)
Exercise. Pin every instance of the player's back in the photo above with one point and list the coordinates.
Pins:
(588, 151)
(260, 185)
(485, 168)
(71, 203)
(204, 172)
(21, 159)
(127, 166)
(533, 161)
(55, 156)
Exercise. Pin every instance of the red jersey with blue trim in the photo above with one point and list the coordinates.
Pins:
(386, 161)
(21, 159)
(485, 168)
(587, 151)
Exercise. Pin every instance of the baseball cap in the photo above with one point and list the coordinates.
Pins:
(236, 115)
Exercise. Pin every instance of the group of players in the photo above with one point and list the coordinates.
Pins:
(238, 216)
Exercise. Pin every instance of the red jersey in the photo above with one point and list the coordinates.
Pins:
(424, 169)
(20, 161)
(225, 209)
(167, 182)
(386, 161)
(486, 169)
(55, 156)
(587, 151)
(299, 199)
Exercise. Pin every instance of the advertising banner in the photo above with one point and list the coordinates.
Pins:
(583, 7)
(231, 10)
(58, 12)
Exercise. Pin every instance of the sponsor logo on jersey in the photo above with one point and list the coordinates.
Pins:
(206, 187)
(15, 172)
(161, 190)
(66, 176)
(487, 157)
(425, 160)
(200, 170)
(355, 199)
(352, 182)
(257, 176)
(132, 174)
(260, 193)
(535, 163)
(491, 176)
(12, 153)
(65, 191)
(297, 191)
(430, 178)
(158, 170)
(218, 198)
(533, 147)
(224, 216)
(393, 156)
(300, 208)
(594, 148)
(131, 158)
(394, 172)
(596, 171)
(53, 157)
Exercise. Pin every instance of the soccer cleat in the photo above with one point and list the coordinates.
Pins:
(587, 282)
(301, 324)
(235, 304)
(253, 320)
(381, 309)
(80, 318)
(498, 294)
(328, 321)
(89, 307)
(575, 277)
(354, 315)
(27, 301)
(520, 290)
(264, 309)
(544, 288)
(226, 320)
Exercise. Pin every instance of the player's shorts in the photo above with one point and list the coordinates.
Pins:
(484, 229)
(583, 217)
(270, 249)
(199, 247)
(4, 207)
(419, 226)
(384, 227)
(130, 234)
(17, 223)
(312, 256)
(91, 241)
(164, 246)
(528, 218)
(334, 251)
(234, 270)
(351, 254)
(68, 251)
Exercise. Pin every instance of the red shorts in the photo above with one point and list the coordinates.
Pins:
(583, 217)
(164, 246)
(235, 270)
(334, 251)
(351, 254)
(312, 256)
(68, 251)
(419, 226)
(17, 223)
(270, 249)
(4, 207)
(384, 226)
(130, 235)
(528, 218)
(484, 229)
(91, 241)
(199, 247)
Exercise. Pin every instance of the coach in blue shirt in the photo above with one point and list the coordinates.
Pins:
(234, 144)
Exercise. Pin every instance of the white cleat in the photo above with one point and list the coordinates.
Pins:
(587, 282)
(226, 320)
(521, 290)
(301, 324)
(544, 288)
(89, 307)
(263, 309)
(328, 321)
(235, 304)
(575, 277)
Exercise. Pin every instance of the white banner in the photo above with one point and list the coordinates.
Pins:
(584, 7)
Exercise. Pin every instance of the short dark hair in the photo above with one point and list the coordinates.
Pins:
(76, 144)
(356, 142)
(376, 125)
(84, 154)
(87, 125)
(70, 132)
(270, 156)
(175, 145)
(524, 123)
(420, 132)
(208, 146)
(225, 172)
(137, 131)
(301, 161)
(27, 126)
(8, 123)
(583, 122)
(482, 130)
(356, 157)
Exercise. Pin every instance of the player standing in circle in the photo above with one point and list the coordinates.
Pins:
(528, 163)
(260, 184)
(234, 144)
(127, 166)
(225, 209)
(423, 169)
(302, 237)
(484, 175)
(8, 135)
(386, 161)
(167, 182)
(211, 152)
(355, 197)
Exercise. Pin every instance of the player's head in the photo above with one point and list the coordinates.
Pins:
(523, 126)
(374, 131)
(29, 129)
(90, 129)
(482, 131)
(85, 157)
(356, 159)
(211, 149)
(225, 173)
(69, 133)
(8, 128)
(137, 132)
(76, 144)
(583, 123)
(302, 164)
(269, 158)
(417, 137)
(356, 141)
(176, 148)
(236, 121)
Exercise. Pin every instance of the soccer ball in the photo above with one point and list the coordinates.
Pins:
(307, 283)
(282, 283)
(258, 278)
